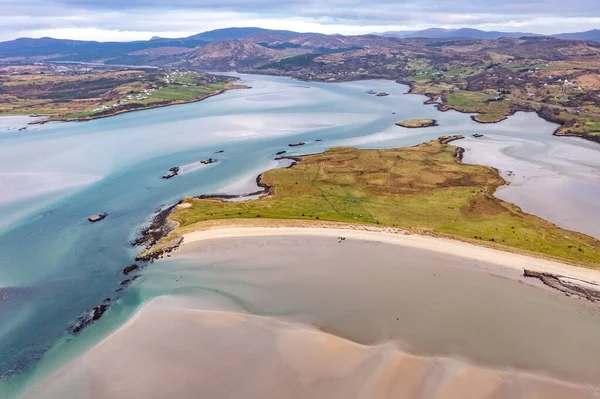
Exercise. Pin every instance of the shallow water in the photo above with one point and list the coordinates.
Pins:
(59, 265)
(372, 293)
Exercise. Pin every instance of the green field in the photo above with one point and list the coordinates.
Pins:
(475, 102)
(421, 188)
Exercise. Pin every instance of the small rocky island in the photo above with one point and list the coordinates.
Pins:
(297, 144)
(280, 152)
(174, 172)
(371, 92)
(208, 161)
(97, 218)
(382, 94)
(477, 135)
(417, 123)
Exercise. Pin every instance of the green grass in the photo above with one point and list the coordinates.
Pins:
(179, 93)
(174, 93)
(476, 102)
(422, 188)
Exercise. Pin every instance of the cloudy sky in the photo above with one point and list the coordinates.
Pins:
(140, 19)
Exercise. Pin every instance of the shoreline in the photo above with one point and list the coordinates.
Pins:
(125, 111)
(515, 261)
(327, 356)
(516, 106)
(167, 333)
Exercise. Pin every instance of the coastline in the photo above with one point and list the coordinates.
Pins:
(125, 111)
(515, 261)
(169, 242)
(515, 107)
(397, 300)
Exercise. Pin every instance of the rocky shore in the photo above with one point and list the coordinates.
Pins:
(449, 139)
(569, 286)
(158, 228)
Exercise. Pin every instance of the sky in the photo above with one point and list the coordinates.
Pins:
(123, 20)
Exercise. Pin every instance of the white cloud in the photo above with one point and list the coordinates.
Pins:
(117, 20)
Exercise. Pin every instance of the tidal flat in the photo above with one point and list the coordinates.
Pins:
(57, 266)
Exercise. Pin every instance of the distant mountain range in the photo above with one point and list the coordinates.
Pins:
(588, 35)
(468, 33)
(233, 48)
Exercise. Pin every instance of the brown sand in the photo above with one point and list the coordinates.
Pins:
(174, 352)
(417, 295)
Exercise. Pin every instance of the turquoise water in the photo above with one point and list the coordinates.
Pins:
(55, 265)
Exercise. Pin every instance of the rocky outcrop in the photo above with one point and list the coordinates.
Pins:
(174, 172)
(297, 144)
(158, 228)
(130, 269)
(569, 286)
(382, 94)
(90, 317)
(459, 153)
(159, 253)
(208, 161)
(280, 152)
(477, 135)
(449, 139)
(97, 218)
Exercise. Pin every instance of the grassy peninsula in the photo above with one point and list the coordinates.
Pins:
(424, 189)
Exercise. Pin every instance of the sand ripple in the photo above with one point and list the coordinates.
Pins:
(171, 351)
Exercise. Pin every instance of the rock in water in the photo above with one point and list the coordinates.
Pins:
(97, 218)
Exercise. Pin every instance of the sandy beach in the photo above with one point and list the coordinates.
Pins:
(170, 351)
(298, 312)
(392, 236)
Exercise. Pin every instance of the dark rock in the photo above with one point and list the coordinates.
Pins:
(477, 135)
(130, 269)
(176, 243)
(280, 152)
(586, 290)
(97, 218)
(174, 172)
(158, 228)
(90, 317)
(297, 144)
(448, 139)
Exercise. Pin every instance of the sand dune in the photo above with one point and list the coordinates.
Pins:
(173, 352)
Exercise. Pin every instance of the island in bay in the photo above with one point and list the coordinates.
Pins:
(417, 123)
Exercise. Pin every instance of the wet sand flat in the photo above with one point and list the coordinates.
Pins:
(331, 318)
(174, 352)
